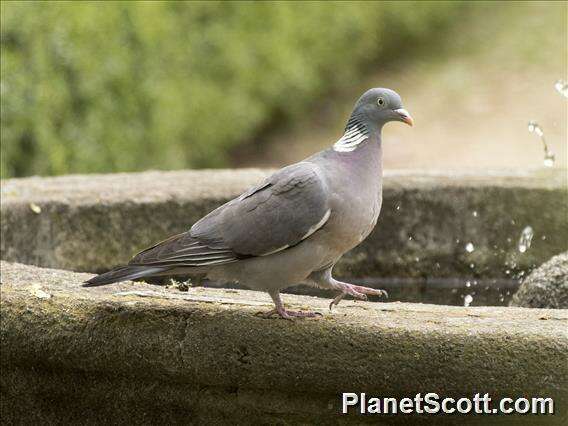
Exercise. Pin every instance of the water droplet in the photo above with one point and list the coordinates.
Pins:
(468, 284)
(398, 207)
(548, 154)
(474, 213)
(469, 247)
(35, 208)
(561, 87)
(417, 259)
(472, 266)
(467, 300)
(525, 239)
(410, 238)
(501, 298)
(507, 272)
(534, 127)
(549, 159)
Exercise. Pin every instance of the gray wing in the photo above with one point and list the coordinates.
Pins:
(183, 251)
(285, 209)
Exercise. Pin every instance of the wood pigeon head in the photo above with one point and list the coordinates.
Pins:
(378, 106)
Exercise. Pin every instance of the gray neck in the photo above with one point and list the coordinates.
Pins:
(360, 168)
(357, 131)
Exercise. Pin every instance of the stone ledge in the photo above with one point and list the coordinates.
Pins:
(94, 222)
(546, 286)
(136, 351)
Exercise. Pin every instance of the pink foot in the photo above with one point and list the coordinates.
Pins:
(283, 313)
(357, 291)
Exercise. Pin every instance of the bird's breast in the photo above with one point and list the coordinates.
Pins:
(352, 220)
(356, 187)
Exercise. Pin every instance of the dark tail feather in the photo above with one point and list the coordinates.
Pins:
(123, 273)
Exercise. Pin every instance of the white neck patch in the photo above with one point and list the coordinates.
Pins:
(355, 133)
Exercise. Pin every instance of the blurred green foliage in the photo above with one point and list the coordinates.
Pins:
(123, 86)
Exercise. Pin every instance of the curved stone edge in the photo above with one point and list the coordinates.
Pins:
(94, 222)
(546, 286)
(208, 341)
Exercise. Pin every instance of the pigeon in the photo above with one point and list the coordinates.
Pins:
(294, 226)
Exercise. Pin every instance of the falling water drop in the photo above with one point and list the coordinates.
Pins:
(468, 284)
(561, 87)
(525, 239)
(548, 154)
(469, 247)
(467, 300)
(35, 208)
(474, 213)
(534, 127)
(549, 159)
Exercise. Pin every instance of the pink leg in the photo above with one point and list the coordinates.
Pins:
(283, 313)
(357, 291)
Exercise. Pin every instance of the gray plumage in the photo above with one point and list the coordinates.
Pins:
(295, 225)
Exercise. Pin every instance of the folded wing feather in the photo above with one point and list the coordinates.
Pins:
(282, 211)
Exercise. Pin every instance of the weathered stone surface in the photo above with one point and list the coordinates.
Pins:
(134, 353)
(94, 222)
(546, 286)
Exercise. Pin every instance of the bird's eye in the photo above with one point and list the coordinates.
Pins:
(380, 101)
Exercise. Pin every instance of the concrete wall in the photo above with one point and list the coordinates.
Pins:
(132, 353)
(94, 222)
(135, 353)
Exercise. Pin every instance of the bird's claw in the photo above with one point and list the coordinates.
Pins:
(358, 292)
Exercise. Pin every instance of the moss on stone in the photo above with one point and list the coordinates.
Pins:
(202, 355)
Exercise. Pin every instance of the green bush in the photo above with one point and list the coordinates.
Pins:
(100, 87)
